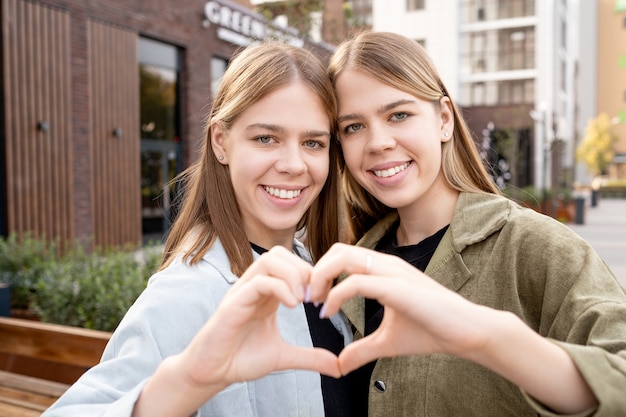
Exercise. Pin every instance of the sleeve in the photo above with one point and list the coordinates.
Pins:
(150, 331)
(584, 311)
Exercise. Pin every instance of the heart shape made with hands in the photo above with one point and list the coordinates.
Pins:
(420, 316)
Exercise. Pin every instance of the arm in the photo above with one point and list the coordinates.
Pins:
(240, 342)
(423, 317)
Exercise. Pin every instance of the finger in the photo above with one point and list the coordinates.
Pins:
(369, 286)
(361, 352)
(314, 359)
(339, 259)
(255, 292)
(280, 263)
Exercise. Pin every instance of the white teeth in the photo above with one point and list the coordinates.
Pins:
(384, 173)
(286, 194)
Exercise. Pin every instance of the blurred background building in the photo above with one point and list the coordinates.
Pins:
(602, 75)
(511, 65)
(103, 102)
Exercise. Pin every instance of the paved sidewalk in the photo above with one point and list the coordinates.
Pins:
(605, 228)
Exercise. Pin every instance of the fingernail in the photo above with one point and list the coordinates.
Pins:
(307, 294)
(323, 312)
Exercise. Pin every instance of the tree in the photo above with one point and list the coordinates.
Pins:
(298, 13)
(596, 150)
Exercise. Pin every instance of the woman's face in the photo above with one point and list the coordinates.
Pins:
(277, 152)
(391, 140)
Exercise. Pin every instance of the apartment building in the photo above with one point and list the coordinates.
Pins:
(603, 74)
(504, 61)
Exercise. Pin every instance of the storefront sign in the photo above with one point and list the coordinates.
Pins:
(240, 26)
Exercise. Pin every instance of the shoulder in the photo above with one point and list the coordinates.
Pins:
(180, 293)
(480, 216)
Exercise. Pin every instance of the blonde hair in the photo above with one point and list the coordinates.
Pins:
(403, 64)
(209, 208)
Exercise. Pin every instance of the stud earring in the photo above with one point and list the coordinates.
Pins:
(445, 134)
(221, 157)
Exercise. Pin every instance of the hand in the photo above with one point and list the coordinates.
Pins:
(421, 316)
(242, 340)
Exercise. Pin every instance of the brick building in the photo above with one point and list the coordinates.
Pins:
(104, 103)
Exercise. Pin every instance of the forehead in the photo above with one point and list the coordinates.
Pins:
(357, 89)
(294, 104)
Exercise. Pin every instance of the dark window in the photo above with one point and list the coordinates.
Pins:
(161, 156)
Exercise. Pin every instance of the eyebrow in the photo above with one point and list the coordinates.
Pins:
(279, 129)
(383, 109)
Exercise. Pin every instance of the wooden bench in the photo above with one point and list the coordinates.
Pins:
(38, 362)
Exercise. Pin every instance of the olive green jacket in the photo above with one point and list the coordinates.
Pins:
(500, 255)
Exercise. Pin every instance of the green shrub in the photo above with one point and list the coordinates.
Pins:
(22, 262)
(91, 290)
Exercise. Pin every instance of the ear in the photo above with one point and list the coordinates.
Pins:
(218, 143)
(447, 119)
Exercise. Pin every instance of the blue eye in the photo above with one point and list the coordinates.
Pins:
(314, 144)
(354, 127)
(264, 139)
(399, 116)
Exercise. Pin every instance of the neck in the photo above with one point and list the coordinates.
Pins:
(426, 217)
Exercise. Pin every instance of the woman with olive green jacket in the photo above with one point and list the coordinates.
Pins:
(545, 274)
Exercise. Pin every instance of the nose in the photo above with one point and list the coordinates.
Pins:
(291, 159)
(379, 139)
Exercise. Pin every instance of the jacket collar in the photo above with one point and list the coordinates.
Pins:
(216, 256)
(476, 217)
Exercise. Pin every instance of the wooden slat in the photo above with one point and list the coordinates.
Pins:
(114, 103)
(26, 396)
(52, 342)
(12, 410)
(36, 79)
(22, 390)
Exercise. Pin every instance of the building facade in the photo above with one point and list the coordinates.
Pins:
(504, 61)
(104, 103)
(602, 77)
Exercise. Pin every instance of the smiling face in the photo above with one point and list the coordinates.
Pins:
(277, 152)
(391, 140)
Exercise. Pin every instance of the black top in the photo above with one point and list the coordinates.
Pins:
(417, 255)
(338, 401)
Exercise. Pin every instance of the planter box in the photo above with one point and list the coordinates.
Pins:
(49, 351)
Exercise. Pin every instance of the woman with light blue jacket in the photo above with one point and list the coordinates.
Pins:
(264, 173)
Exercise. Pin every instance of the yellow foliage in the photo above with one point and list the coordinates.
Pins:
(596, 150)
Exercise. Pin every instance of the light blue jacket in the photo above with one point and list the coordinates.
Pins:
(175, 305)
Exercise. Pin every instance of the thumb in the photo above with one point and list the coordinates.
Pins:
(314, 359)
(359, 353)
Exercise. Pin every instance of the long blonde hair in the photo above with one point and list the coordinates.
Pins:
(209, 208)
(403, 64)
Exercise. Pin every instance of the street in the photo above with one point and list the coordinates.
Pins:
(605, 228)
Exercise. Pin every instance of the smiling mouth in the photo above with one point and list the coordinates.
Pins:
(384, 173)
(282, 193)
